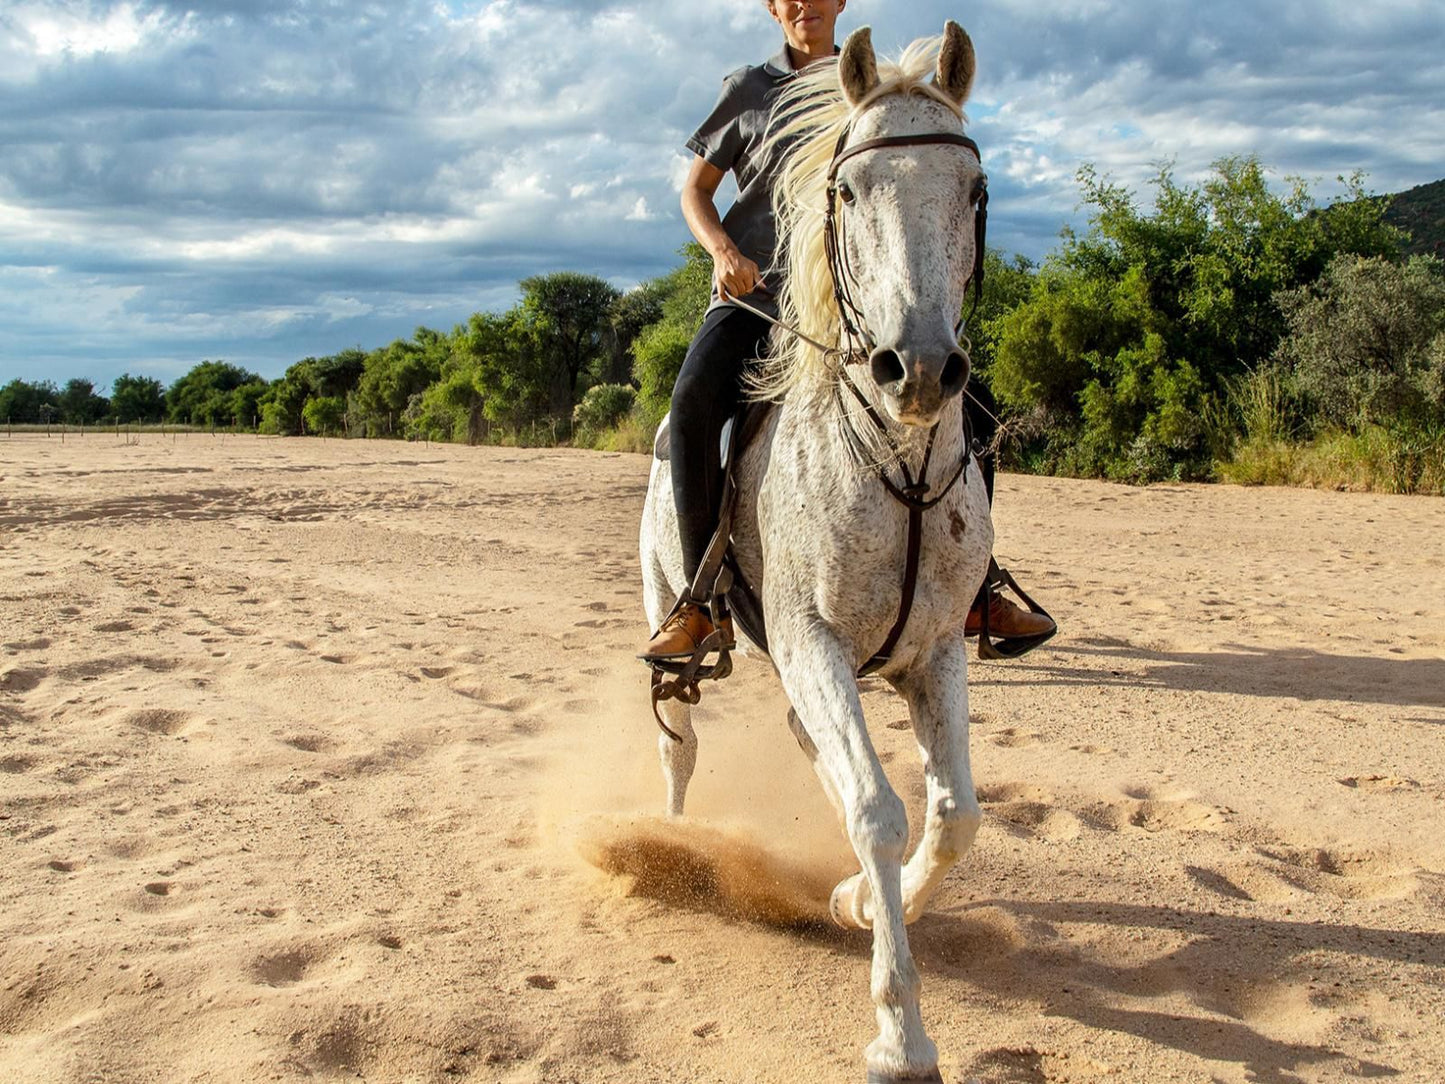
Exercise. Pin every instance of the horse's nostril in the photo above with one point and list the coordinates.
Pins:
(886, 366)
(955, 374)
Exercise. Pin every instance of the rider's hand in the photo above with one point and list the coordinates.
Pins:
(735, 274)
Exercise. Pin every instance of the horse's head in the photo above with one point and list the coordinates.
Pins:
(904, 223)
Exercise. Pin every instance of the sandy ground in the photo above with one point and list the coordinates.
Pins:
(305, 747)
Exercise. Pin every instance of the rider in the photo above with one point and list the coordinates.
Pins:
(745, 265)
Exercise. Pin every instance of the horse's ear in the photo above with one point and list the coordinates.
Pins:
(857, 66)
(955, 63)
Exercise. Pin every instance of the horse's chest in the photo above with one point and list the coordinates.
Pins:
(839, 548)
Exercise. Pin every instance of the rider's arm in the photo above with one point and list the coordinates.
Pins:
(733, 271)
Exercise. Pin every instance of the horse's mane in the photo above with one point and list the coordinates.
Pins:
(808, 118)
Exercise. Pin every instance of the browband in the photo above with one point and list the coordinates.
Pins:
(842, 154)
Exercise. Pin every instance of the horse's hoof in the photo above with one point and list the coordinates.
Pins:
(847, 903)
(934, 1077)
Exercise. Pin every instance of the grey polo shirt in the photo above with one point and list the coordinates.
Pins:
(734, 139)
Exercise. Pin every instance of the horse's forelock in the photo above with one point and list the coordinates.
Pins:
(809, 117)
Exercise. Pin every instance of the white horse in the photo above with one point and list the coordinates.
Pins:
(814, 511)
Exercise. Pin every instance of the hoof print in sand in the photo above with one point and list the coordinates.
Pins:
(1350, 874)
(309, 743)
(20, 681)
(1377, 782)
(284, 968)
(159, 721)
(1016, 739)
(1029, 810)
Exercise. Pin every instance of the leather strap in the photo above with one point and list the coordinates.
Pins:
(910, 588)
(843, 153)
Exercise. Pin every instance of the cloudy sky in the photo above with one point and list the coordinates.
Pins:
(259, 180)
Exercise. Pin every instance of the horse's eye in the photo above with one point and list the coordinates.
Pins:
(980, 186)
(846, 193)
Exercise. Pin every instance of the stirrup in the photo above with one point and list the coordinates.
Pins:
(1009, 647)
(687, 673)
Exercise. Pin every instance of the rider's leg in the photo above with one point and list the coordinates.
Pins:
(982, 420)
(1005, 619)
(708, 392)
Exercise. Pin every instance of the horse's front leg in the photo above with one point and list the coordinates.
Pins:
(937, 693)
(936, 690)
(818, 675)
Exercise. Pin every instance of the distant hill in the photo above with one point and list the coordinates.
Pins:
(1420, 212)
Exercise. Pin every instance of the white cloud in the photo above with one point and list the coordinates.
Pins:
(271, 178)
(78, 31)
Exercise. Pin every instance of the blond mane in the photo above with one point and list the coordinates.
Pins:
(809, 116)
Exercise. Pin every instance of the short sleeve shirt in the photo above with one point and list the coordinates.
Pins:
(734, 139)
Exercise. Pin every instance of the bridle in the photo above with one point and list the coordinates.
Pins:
(834, 239)
(914, 493)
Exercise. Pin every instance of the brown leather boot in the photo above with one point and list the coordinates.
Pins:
(685, 628)
(1006, 620)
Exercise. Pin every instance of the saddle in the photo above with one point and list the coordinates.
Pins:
(724, 592)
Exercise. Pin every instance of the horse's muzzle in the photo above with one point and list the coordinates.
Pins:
(917, 384)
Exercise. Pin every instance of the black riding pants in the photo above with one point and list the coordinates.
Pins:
(709, 391)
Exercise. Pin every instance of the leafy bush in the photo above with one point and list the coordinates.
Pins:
(603, 406)
(1129, 337)
(324, 414)
(659, 348)
(1367, 342)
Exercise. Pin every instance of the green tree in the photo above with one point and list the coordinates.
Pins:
(569, 314)
(1006, 283)
(79, 405)
(494, 375)
(396, 373)
(1131, 334)
(659, 348)
(338, 375)
(1366, 342)
(25, 403)
(245, 404)
(203, 395)
(631, 312)
(137, 399)
(284, 401)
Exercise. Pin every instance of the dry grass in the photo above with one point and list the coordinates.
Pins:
(1375, 461)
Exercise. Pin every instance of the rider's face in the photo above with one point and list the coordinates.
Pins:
(808, 24)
